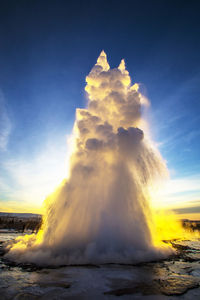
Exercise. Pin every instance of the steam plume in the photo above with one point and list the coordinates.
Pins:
(101, 213)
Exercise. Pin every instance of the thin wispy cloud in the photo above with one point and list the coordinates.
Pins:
(28, 181)
(173, 110)
(5, 124)
(181, 192)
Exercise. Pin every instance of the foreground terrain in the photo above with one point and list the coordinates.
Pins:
(175, 278)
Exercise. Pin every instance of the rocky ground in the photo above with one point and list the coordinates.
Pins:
(177, 277)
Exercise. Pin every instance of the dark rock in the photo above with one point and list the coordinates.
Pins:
(55, 284)
(143, 288)
(25, 296)
(177, 285)
(174, 285)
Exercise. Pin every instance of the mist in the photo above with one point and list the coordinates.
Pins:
(102, 212)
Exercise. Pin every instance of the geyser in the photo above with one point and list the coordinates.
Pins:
(102, 213)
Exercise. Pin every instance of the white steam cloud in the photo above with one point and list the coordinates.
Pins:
(101, 213)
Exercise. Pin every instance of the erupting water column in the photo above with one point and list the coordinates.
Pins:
(101, 213)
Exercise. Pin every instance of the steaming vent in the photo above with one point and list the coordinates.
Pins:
(102, 212)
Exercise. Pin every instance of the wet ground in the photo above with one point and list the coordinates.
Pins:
(174, 278)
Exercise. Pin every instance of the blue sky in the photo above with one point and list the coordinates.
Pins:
(47, 49)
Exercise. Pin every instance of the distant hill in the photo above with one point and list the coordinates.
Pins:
(20, 221)
(20, 215)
